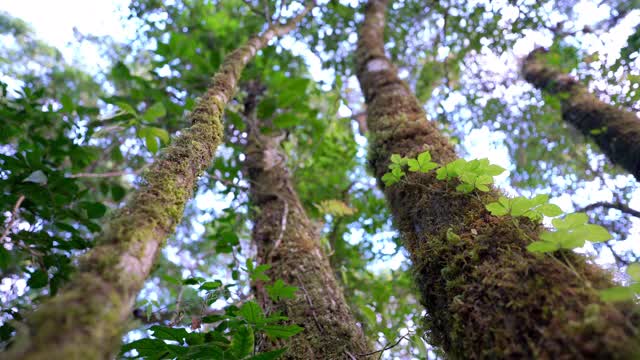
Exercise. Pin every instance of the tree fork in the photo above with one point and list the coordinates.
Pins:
(85, 319)
(486, 296)
(287, 240)
(616, 131)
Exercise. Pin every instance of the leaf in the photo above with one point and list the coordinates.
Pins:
(452, 237)
(279, 290)
(154, 112)
(242, 342)
(286, 120)
(497, 209)
(422, 164)
(633, 270)
(390, 178)
(617, 293)
(281, 331)
(38, 279)
(95, 210)
(596, 233)
(550, 210)
(570, 221)
(335, 207)
(146, 347)
(169, 333)
(251, 312)
(37, 177)
(542, 247)
(211, 285)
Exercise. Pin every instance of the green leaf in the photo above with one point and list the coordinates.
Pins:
(211, 285)
(95, 210)
(279, 290)
(286, 120)
(520, 205)
(596, 233)
(397, 159)
(617, 293)
(38, 279)
(37, 177)
(281, 331)
(390, 178)
(570, 221)
(147, 347)
(251, 312)
(633, 270)
(154, 112)
(542, 247)
(423, 163)
(550, 210)
(169, 333)
(497, 209)
(242, 342)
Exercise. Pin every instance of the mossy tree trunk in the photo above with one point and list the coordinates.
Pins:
(616, 131)
(486, 296)
(87, 317)
(287, 240)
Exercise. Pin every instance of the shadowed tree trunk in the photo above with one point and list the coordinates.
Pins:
(486, 296)
(287, 240)
(616, 131)
(85, 320)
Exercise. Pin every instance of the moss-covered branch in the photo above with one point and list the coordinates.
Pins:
(287, 240)
(616, 131)
(85, 320)
(486, 296)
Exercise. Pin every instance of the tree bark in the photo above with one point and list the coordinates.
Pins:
(616, 131)
(287, 240)
(486, 296)
(85, 320)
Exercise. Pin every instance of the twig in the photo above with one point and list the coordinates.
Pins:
(386, 347)
(618, 206)
(99, 175)
(14, 217)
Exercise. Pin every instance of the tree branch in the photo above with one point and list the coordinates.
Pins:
(618, 206)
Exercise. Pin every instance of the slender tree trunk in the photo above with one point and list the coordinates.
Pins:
(486, 296)
(85, 320)
(615, 130)
(287, 240)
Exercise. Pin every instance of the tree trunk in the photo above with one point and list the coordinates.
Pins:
(287, 240)
(616, 131)
(85, 320)
(486, 296)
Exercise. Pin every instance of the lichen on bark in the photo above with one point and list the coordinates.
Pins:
(485, 295)
(615, 130)
(85, 320)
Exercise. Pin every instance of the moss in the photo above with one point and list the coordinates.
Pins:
(330, 330)
(615, 130)
(486, 296)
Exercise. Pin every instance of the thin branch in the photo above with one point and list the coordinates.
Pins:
(100, 175)
(390, 346)
(14, 217)
(618, 206)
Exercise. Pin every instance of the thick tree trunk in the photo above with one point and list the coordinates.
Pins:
(615, 130)
(486, 296)
(85, 320)
(287, 240)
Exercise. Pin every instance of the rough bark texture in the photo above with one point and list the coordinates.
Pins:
(616, 131)
(486, 296)
(287, 240)
(85, 320)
